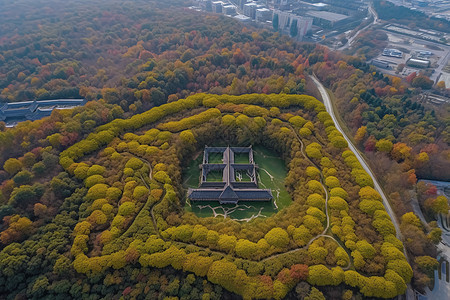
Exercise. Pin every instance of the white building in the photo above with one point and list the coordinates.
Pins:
(217, 7)
(263, 14)
(229, 10)
(286, 19)
(250, 9)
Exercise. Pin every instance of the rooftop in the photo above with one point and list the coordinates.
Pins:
(320, 4)
(326, 15)
(236, 163)
(34, 110)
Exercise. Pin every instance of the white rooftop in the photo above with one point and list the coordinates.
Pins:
(242, 17)
(326, 15)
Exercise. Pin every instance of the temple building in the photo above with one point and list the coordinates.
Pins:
(235, 177)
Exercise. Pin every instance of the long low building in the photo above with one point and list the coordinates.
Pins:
(12, 113)
(381, 63)
(419, 63)
(326, 18)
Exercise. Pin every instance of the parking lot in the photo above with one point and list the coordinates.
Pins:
(437, 54)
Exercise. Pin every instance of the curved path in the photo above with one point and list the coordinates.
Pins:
(327, 102)
(323, 234)
(354, 36)
(330, 109)
(150, 176)
(322, 182)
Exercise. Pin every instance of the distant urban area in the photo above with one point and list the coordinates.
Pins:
(374, 31)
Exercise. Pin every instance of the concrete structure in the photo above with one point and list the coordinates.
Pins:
(206, 5)
(12, 113)
(250, 9)
(229, 10)
(285, 20)
(419, 63)
(217, 7)
(380, 63)
(241, 4)
(229, 190)
(319, 6)
(392, 53)
(283, 4)
(263, 15)
(242, 18)
(326, 18)
(305, 6)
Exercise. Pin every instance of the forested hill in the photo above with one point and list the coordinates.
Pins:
(161, 82)
(58, 52)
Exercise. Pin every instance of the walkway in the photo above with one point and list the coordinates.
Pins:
(330, 109)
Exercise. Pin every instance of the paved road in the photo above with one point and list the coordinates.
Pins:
(442, 62)
(329, 107)
(327, 101)
(441, 289)
(417, 210)
(352, 38)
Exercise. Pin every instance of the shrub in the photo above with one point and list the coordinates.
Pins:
(277, 237)
(134, 163)
(313, 172)
(96, 170)
(332, 182)
(337, 203)
(126, 208)
(339, 192)
(304, 132)
(93, 180)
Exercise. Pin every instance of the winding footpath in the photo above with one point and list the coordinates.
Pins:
(272, 256)
(150, 176)
(330, 109)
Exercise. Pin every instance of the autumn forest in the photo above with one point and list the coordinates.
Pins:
(92, 200)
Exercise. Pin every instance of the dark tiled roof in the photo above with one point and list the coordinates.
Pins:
(34, 110)
(233, 191)
(41, 113)
(9, 113)
(228, 193)
(255, 194)
(204, 194)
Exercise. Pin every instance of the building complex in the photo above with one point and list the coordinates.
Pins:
(237, 180)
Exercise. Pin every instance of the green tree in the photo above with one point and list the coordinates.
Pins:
(23, 177)
(384, 145)
(246, 249)
(426, 264)
(277, 237)
(366, 249)
(12, 166)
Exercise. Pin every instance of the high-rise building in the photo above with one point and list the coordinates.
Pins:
(263, 14)
(287, 19)
(250, 9)
(217, 6)
(241, 3)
